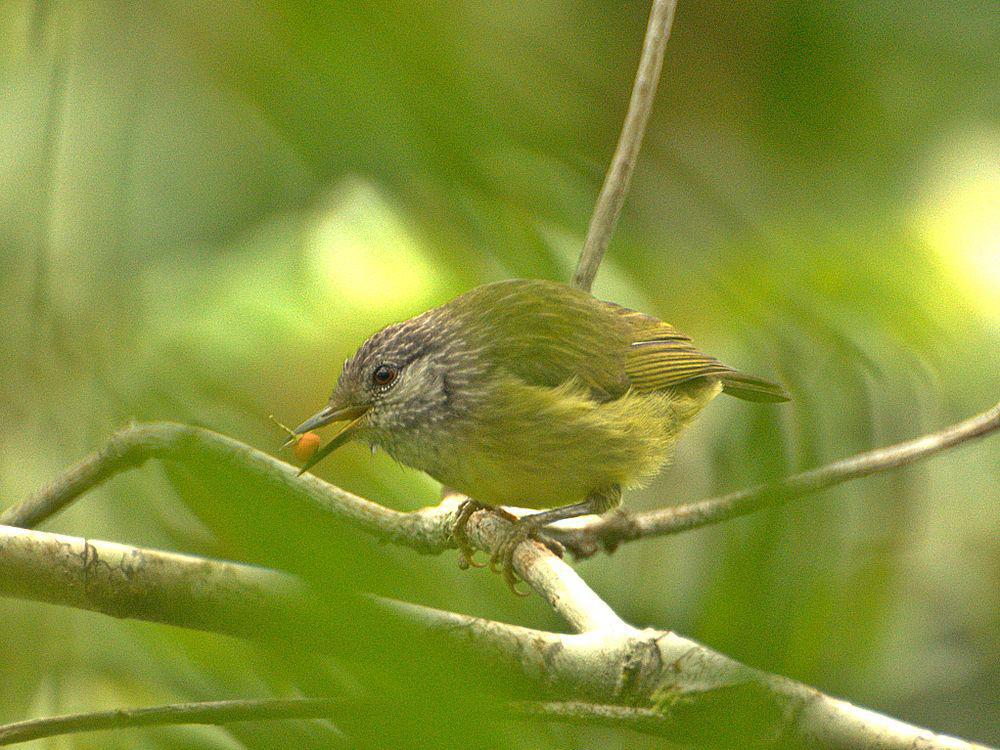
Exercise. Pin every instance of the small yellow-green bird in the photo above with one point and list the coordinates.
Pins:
(529, 393)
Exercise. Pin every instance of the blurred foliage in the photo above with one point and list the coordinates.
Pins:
(204, 207)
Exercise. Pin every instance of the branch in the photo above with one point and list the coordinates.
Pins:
(693, 687)
(657, 682)
(607, 661)
(269, 709)
(427, 530)
(645, 720)
(145, 584)
(547, 574)
(616, 181)
(208, 712)
(179, 443)
(586, 538)
(892, 735)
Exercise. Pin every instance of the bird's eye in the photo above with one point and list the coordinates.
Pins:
(384, 375)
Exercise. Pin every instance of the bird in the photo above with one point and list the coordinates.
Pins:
(528, 393)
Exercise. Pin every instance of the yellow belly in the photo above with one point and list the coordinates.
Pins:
(541, 447)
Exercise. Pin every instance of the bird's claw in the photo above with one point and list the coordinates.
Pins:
(502, 559)
(466, 552)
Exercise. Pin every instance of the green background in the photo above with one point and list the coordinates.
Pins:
(206, 206)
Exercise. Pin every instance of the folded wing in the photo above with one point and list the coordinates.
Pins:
(662, 357)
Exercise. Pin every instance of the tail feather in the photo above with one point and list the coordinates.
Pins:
(752, 388)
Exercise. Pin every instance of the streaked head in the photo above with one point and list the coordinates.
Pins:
(397, 382)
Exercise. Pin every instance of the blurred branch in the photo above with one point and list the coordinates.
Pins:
(694, 689)
(209, 712)
(145, 584)
(427, 530)
(656, 720)
(704, 697)
(217, 713)
(645, 720)
(179, 443)
(616, 181)
(586, 538)
(269, 709)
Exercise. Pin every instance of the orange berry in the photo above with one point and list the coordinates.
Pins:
(306, 446)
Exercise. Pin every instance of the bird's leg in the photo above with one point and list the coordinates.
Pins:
(466, 552)
(502, 560)
(545, 517)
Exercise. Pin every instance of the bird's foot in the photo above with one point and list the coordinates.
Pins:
(502, 560)
(466, 552)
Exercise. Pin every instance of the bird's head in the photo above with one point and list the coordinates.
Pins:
(397, 384)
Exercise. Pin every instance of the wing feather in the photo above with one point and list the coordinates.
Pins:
(661, 357)
(655, 365)
(548, 334)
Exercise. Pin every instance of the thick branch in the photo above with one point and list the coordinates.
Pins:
(608, 662)
(145, 584)
(586, 538)
(429, 529)
(657, 682)
(209, 712)
(690, 685)
(616, 181)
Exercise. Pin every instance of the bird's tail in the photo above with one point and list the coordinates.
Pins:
(752, 388)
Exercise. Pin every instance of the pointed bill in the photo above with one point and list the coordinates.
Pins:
(338, 440)
(325, 417)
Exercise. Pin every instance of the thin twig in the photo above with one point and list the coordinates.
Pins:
(207, 712)
(217, 713)
(585, 539)
(179, 443)
(269, 709)
(616, 181)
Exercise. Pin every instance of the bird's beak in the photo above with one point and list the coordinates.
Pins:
(326, 416)
(353, 415)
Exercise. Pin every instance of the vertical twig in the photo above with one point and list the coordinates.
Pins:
(616, 181)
